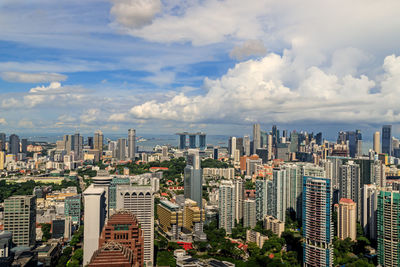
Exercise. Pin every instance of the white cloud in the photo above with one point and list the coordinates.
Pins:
(247, 49)
(135, 13)
(3, 121)
(90, 115)
(22, 77)
(256, 90)
(25, 123)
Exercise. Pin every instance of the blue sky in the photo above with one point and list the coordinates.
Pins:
(212, 65)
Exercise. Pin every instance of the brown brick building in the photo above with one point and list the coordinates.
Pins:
(113, 254)
(123, 228)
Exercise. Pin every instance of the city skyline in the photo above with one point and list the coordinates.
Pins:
(212, 65)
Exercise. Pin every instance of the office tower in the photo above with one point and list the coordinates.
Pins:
(246, 145)
(2, 159)
(263, 154)
(132, 144)
(78, 145)
(98, 142)
(352, 138)
(358, 143)
(256, 137)
(249, 213)
(349, 184)
(193, 180)
(269, 146)
(215, 153)
(294, 186)
(388, 228)
(95, 216)
(14, 144)
(72, 208)
(202, 141)
(317, 222)
(24, 145)
(239, 195)
(20, 219)
(232, 142)
(112, 254)
(2, 141)
(294, 142)
(318, 138)
(121, 148)
(347, 218)
(378, 174)
(369, 206)
(140, 201)
(182, 141)
(192, 141)
(90, 142)
(226, 205)
(387, 146)
(123, 228)
(280, 194)
(68, 140)
(261, 198)
(170, 218)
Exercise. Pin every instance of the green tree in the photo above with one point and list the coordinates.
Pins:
(46, 227)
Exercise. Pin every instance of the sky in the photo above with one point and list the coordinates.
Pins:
(163, 66)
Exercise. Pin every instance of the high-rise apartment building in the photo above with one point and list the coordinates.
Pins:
(388, 228)
(249, 213)
(98, 142)
(256, 137)
(233, 147)
(350, 183)
(193, 217)
(226, 205)
(72, 208)
(377, 142)
(239, 195)
(261, 198)
(95, 216)
(347, 219)
(140, 201)
(369, 207)
(123, 228)
(246, 145)
(170, 218)
(20, 219)
(317, 222)
(131, 144)
(280, 194)
(387, 146)
(193, 178)
(2, 141)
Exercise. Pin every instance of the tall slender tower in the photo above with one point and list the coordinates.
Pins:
(193, 178)
(246, 145)
(233, 147)
(226, 205)
(317, 222)
(377, 142)
(256, 137)
(131, 144)
(387, 145)
(98, 142)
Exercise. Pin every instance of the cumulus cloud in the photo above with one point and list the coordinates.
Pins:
(248, 49)
(25, 123)
(135, 13)
(23, 77)
(90, 115)
(3, 121)
(256, 90)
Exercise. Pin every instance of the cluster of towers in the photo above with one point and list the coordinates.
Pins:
(192, 140)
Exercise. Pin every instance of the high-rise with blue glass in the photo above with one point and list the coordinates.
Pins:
(387, 139)
(317, 222)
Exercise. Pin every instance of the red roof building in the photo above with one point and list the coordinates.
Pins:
(113, 254)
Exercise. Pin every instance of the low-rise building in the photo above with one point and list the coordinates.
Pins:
(273, 224)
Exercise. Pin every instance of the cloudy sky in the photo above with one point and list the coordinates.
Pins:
(215, 65)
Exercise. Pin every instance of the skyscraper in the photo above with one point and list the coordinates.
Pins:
(202, 141)
(2, 159)
(261, 198)
(226, 205)
(98, 142)
(349, 183)
(280, 193)
(317, 222)
(377, 142)
(256, 137)
(95, 216)
(2, 141)
(387, 146)
(24, 145)
(239, 195)
(121, 149)
(14, 144)
(347, 218)
(249, 213)
(193, 178)
(388, 228)
(192, 141)
(140, 201)
(20, 219)
(369, 207)
(131, 144)
(233, 147)
(78, 145)
(246, 145)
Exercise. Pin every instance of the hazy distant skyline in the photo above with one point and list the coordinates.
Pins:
(212, 65)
